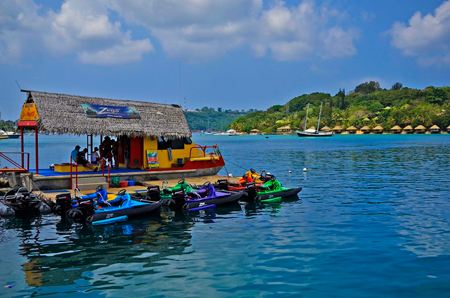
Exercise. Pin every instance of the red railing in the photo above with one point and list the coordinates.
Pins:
(71, 174)
(18, 167)
(203, 149)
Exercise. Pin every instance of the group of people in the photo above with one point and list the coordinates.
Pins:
(100, 156)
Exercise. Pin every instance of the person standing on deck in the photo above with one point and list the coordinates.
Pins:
(106, 149)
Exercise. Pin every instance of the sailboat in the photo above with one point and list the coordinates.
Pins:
(313, 133)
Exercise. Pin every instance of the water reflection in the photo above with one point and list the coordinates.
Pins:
(58, 253)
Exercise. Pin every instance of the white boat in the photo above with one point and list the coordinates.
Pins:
(3, 135)
(12, 135)
(313, 133)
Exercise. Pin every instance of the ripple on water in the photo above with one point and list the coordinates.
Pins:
(373, 220)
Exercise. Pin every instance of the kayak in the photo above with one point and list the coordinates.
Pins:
(87, 209)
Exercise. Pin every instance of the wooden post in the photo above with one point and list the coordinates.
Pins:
(22, 146)
(36, 140)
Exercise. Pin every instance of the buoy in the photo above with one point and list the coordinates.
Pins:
(305, 169)
(289, 171)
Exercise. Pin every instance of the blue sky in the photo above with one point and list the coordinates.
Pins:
(221, 53)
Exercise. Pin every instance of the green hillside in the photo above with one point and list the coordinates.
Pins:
(211, 119)
(368, 104)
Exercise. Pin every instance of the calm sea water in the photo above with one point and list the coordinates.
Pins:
(373, 220)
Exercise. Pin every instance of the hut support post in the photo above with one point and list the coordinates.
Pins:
(36, 141)
(22, 153)
(89, 145)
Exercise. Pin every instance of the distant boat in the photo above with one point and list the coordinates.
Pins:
(8, 135)
(12, 135)
(3, 135)
(311, 132)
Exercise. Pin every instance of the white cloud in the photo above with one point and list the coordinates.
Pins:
(81, 27)
(425, 37)
(302, 32)
(190, 29)
(128, 51)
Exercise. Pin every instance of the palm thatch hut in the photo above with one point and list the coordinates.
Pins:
(284, 129)
(73, 114)
(55, 113)
(325, 128)
(365, 129)
(396, 129)
(351, 129)
(434, 129)
(408, 129)
(255, 131)
(420, 129)
(378, 129)
(337, 129)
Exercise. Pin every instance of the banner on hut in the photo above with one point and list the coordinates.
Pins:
(104, 111)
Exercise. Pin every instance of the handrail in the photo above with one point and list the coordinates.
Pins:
(17, 165)
(203, 148)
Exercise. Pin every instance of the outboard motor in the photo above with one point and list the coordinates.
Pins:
(80, 213)
(178, 200)
(250, 189)
(153, 193)
(222, 184)
(63, 204)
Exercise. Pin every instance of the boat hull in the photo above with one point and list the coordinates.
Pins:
(313, 134)
(131, 212)
(285, 193)
(232, 198)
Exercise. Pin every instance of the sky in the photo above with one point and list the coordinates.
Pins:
(237, 54)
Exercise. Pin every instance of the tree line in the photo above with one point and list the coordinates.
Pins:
(368, 104)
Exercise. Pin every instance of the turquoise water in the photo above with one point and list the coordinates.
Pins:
(373, 220)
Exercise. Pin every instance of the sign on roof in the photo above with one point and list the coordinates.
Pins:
(104, 111)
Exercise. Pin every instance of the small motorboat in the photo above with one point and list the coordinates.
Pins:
(185, 196)
(270, 188)
(207, 195)
(20, 202)
(94, 209)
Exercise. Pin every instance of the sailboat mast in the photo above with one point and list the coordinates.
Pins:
(306, 118)
(318, 121)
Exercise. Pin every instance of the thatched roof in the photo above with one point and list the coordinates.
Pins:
(378, 128)
(365, 128)
(325, 128)
(64, 114)
(396, 127)
(420, 127)
(337, 128)
(351, 128)
(408, 127)
(435, 127)
(286, 127)
(254, 130)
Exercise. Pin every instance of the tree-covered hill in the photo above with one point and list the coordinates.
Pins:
(368, 104)
(211, 119)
